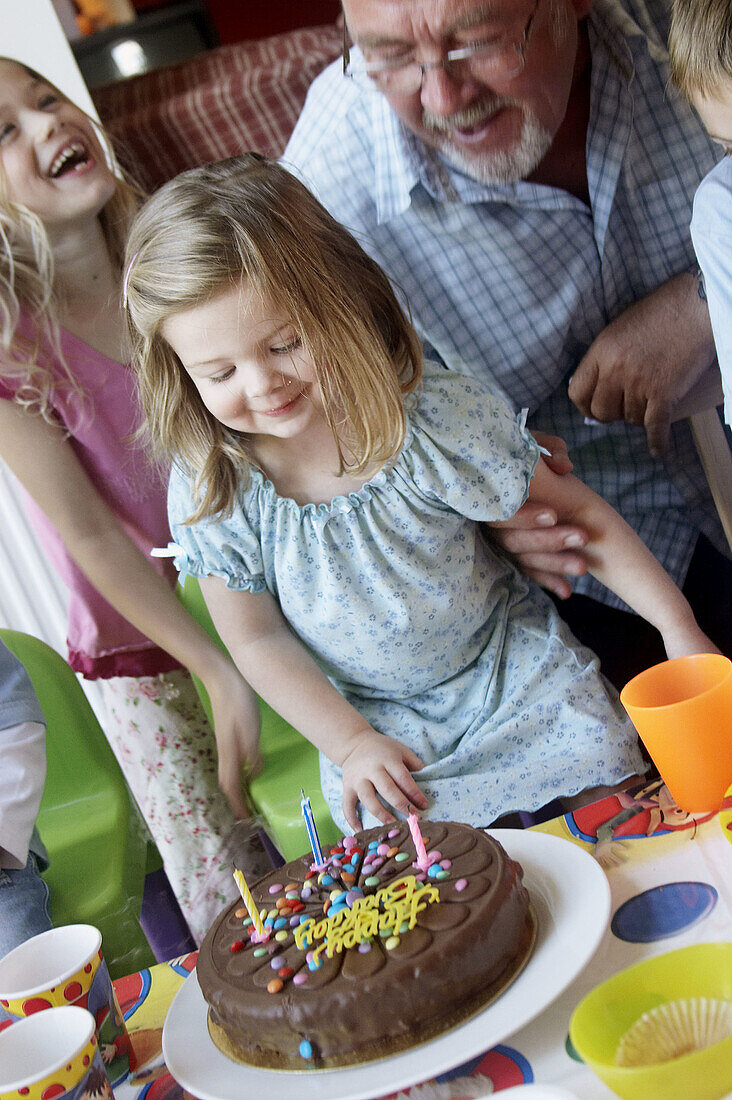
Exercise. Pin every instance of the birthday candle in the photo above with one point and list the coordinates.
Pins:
(248, 900)
(307, 813)
(422, 860)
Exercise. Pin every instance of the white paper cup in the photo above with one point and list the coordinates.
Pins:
(61, 967)
(52, 1054)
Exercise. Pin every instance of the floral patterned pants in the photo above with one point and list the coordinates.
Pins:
(166, 748)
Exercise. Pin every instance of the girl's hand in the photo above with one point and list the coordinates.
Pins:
(379, 765)
(237, 723)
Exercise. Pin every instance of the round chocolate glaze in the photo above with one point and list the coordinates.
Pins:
(378, 996)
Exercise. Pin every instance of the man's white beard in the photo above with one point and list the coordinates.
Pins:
(491, 168)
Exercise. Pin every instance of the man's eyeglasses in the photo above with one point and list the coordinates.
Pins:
(498, 59)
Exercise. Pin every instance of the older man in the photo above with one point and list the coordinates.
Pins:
(521, 171)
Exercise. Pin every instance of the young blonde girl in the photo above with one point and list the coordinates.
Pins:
(68, 415)
(329, 490)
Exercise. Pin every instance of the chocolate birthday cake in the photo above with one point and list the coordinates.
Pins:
(370, 955)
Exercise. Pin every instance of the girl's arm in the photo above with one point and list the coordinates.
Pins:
(44, 462)
(622, 561)
(282, 671)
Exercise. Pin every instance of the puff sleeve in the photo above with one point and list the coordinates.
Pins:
(469, 450)
(227, 547)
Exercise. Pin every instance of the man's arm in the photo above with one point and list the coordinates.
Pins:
(638, 369)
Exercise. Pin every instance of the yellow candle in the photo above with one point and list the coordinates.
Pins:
(249, 902)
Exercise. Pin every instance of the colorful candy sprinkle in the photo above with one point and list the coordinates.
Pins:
(259, 951)
(281, 936)
(275, 888)
(391, 943)
(237, 945)
(372, 880)
(300, 978)
(461, 884)
(275, 986)
(400, 857)
(392, 833)
(306, 1050)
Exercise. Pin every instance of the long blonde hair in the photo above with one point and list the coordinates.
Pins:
(27, 278)
(247, 218)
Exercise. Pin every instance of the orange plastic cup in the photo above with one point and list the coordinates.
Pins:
(682, 710)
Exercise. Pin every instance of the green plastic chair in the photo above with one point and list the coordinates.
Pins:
(290, 761)
(90, 826)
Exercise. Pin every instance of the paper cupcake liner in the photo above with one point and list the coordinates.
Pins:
(674, 1029)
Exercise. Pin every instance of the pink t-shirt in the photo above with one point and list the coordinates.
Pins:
(100, 641)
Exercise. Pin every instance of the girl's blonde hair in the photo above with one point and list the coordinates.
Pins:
(27, 277)
(247, 218)
(700, 45)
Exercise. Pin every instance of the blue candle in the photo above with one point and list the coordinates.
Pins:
(307, 813)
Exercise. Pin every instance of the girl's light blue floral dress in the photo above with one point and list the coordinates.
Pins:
(425, 628)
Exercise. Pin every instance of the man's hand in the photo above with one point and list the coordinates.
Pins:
(557, 458)
(646, 360)
(544, 550)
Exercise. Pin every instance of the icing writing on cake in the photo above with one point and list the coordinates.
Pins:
(393, 909)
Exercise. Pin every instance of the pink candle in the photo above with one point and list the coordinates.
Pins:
(422, 858)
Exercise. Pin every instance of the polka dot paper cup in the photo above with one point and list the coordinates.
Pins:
(61, 968)
(52, 1055)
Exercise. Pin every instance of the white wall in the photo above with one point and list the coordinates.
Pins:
(30, 31)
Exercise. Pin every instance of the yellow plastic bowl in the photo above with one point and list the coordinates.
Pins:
(605, 1014)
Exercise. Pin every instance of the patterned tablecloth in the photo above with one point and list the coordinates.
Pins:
(670, 876)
